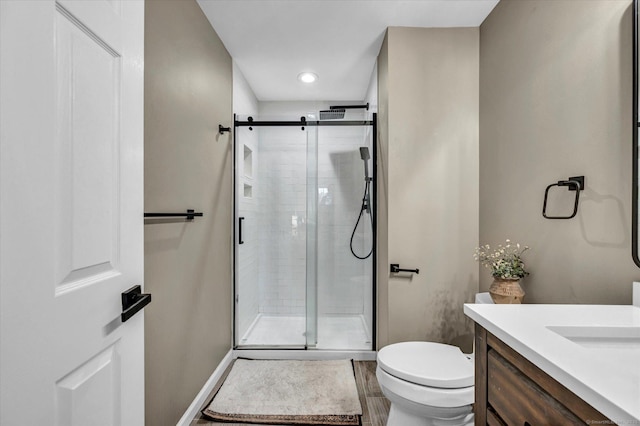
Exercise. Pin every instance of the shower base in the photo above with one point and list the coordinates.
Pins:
(335, 332)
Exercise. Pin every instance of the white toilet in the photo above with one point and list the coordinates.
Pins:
(428, 383)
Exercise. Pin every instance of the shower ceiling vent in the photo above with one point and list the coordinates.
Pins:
(332, 114)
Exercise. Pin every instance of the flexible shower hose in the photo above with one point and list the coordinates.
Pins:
(363, 208)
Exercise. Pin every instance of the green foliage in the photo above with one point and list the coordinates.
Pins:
(505, 261)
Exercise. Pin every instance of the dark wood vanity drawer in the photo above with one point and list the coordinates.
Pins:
(517, 400)
(493, 419)
(512, 391)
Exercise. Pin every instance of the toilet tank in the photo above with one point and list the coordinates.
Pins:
(482, 298)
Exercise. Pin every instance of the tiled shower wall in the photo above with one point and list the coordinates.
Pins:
(247, 191)
(271, 196)
(247, 293)
(281, 179)
(342, 278)
(344, 282)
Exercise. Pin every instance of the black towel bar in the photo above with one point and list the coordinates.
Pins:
(190, 214)
(395, 268)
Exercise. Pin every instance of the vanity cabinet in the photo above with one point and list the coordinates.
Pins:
(510, 390)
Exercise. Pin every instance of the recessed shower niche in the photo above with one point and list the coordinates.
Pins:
(297, 283)
(247, 168)
(248, 162)
(248, 191)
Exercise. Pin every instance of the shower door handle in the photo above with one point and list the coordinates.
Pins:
(240, 221)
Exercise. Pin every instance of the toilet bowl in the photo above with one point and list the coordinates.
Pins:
(427, 383)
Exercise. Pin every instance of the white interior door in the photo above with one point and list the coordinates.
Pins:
(71, 211)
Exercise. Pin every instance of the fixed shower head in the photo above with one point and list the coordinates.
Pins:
(364, 154)
(332, 114)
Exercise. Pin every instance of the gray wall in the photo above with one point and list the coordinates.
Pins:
(188, 87)
(555, 102)
(428, 181)
(382, 187)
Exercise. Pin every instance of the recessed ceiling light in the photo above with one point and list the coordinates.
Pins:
(307, 77)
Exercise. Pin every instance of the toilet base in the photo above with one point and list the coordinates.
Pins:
(400, 417)
(405, 411)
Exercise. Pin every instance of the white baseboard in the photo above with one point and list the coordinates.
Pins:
(200, 399)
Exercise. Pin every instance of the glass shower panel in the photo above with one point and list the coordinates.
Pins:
(312, 237)
(304, 234)
(271, 261)
(246, 247)
(344, 291)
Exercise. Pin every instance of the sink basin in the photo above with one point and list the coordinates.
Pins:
(601, 337)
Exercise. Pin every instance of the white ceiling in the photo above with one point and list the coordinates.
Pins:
(272, 41)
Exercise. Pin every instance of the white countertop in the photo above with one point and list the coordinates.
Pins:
(608, 378)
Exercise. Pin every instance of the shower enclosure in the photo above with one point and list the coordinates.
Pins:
(304, 278)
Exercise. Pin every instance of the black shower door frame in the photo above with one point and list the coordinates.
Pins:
(304, 123)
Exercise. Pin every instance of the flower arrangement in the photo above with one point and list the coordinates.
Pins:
(505, 261)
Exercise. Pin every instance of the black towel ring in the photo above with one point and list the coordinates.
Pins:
(575, 183)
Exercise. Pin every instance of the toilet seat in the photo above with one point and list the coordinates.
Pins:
(392, 387)
(427, 364)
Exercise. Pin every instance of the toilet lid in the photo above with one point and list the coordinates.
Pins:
(428, 364)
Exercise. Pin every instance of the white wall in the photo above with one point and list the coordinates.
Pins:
(372, 91)
(344, 282)
(281, 176)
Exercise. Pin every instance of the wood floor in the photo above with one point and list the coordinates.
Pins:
(375, 407)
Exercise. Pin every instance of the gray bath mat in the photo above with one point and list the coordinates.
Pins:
(288, 392)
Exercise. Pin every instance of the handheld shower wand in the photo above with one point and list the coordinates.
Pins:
(366, 201)
(364, 154)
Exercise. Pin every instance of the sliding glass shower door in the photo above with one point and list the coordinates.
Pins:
(344, 250)
(271, 247)
(298, 192)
